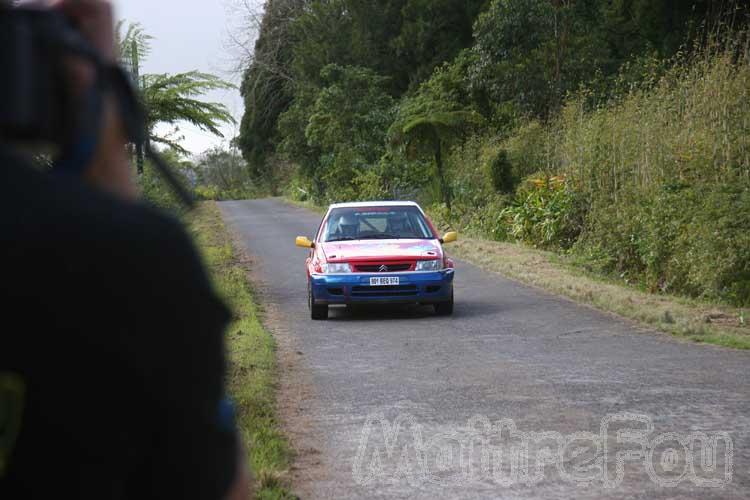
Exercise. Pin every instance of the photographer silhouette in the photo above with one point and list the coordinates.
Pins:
(112, 357)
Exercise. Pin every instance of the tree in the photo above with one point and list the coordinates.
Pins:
(339, 131)
(531, 53)
(171, 98)
(223, 169)
(351, 114)
(349, 33)
(267, 83)
(429, 127)
(666, 25)
(433, 32)
(285, 84)
(174, 98)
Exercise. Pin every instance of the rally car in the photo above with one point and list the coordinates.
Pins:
(378, 252)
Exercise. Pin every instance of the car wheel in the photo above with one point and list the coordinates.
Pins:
(444, 308)
(317, 312)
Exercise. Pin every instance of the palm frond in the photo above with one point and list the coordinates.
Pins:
(170, 98)
(444, 123)
(173, 98)
(173, 144)
(129, 37)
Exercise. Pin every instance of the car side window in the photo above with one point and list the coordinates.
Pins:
(321, 227)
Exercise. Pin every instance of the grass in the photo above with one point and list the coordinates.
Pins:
(251, 378)
(691, 319)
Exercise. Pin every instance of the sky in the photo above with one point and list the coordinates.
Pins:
(191, 35)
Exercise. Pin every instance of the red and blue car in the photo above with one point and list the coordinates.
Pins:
(378, 252)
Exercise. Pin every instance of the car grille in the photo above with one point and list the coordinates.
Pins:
(384, 291)
(383, 267)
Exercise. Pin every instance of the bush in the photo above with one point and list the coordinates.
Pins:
(713, 251)
(204, 193)
(531, 149)
(680, 239)
(155, 191)
(548, 213)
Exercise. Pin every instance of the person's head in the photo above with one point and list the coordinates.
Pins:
(397, 224)
(348, 225)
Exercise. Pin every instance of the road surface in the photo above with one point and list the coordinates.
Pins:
(397, 403)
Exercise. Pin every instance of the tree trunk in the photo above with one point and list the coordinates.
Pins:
(137, 81)
(444, 189)
(139, 158)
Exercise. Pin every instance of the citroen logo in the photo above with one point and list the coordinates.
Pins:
(383, 269)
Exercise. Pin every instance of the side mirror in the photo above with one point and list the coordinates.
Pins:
(304, 242)
(449, 237)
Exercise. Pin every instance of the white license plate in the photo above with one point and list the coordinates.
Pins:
(383, 281)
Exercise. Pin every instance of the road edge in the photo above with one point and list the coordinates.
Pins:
(252, 366)
(295, 394)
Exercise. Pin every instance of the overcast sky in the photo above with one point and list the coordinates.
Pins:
(190, 35)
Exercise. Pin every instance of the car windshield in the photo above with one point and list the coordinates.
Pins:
(376, 223)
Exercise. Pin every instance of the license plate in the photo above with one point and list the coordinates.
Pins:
(378, 281)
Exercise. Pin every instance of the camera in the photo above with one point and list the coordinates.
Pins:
(35, 107)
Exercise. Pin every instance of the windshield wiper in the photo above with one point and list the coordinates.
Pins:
(381, 236)
(343, 238)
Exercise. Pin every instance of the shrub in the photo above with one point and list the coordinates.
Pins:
(548, 213)
(692, 240)
(204, 193)
(155, 191)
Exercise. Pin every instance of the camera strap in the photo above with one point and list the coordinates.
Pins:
(133, 119)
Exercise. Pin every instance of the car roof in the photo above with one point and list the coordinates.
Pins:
(368, 204)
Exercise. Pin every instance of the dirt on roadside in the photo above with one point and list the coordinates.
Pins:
(295, 396)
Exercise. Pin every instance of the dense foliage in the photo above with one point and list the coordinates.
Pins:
(616, 130)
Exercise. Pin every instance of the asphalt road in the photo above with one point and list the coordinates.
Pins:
(509, 352)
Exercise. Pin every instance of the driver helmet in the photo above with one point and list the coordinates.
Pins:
(348, 225)
(397, 224)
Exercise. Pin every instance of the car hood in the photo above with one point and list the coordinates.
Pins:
(348, 251)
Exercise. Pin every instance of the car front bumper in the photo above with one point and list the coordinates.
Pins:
(354, 288)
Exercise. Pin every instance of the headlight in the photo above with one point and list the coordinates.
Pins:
(428, 265)
(336, 268)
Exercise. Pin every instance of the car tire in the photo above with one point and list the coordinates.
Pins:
(317, 312)
(444, 308)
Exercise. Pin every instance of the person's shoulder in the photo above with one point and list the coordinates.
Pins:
(88, 229)
(72, 210)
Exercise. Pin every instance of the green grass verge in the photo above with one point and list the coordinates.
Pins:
(251, 377)
(698, 321)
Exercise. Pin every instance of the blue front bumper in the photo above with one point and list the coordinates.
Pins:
(421, 287)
